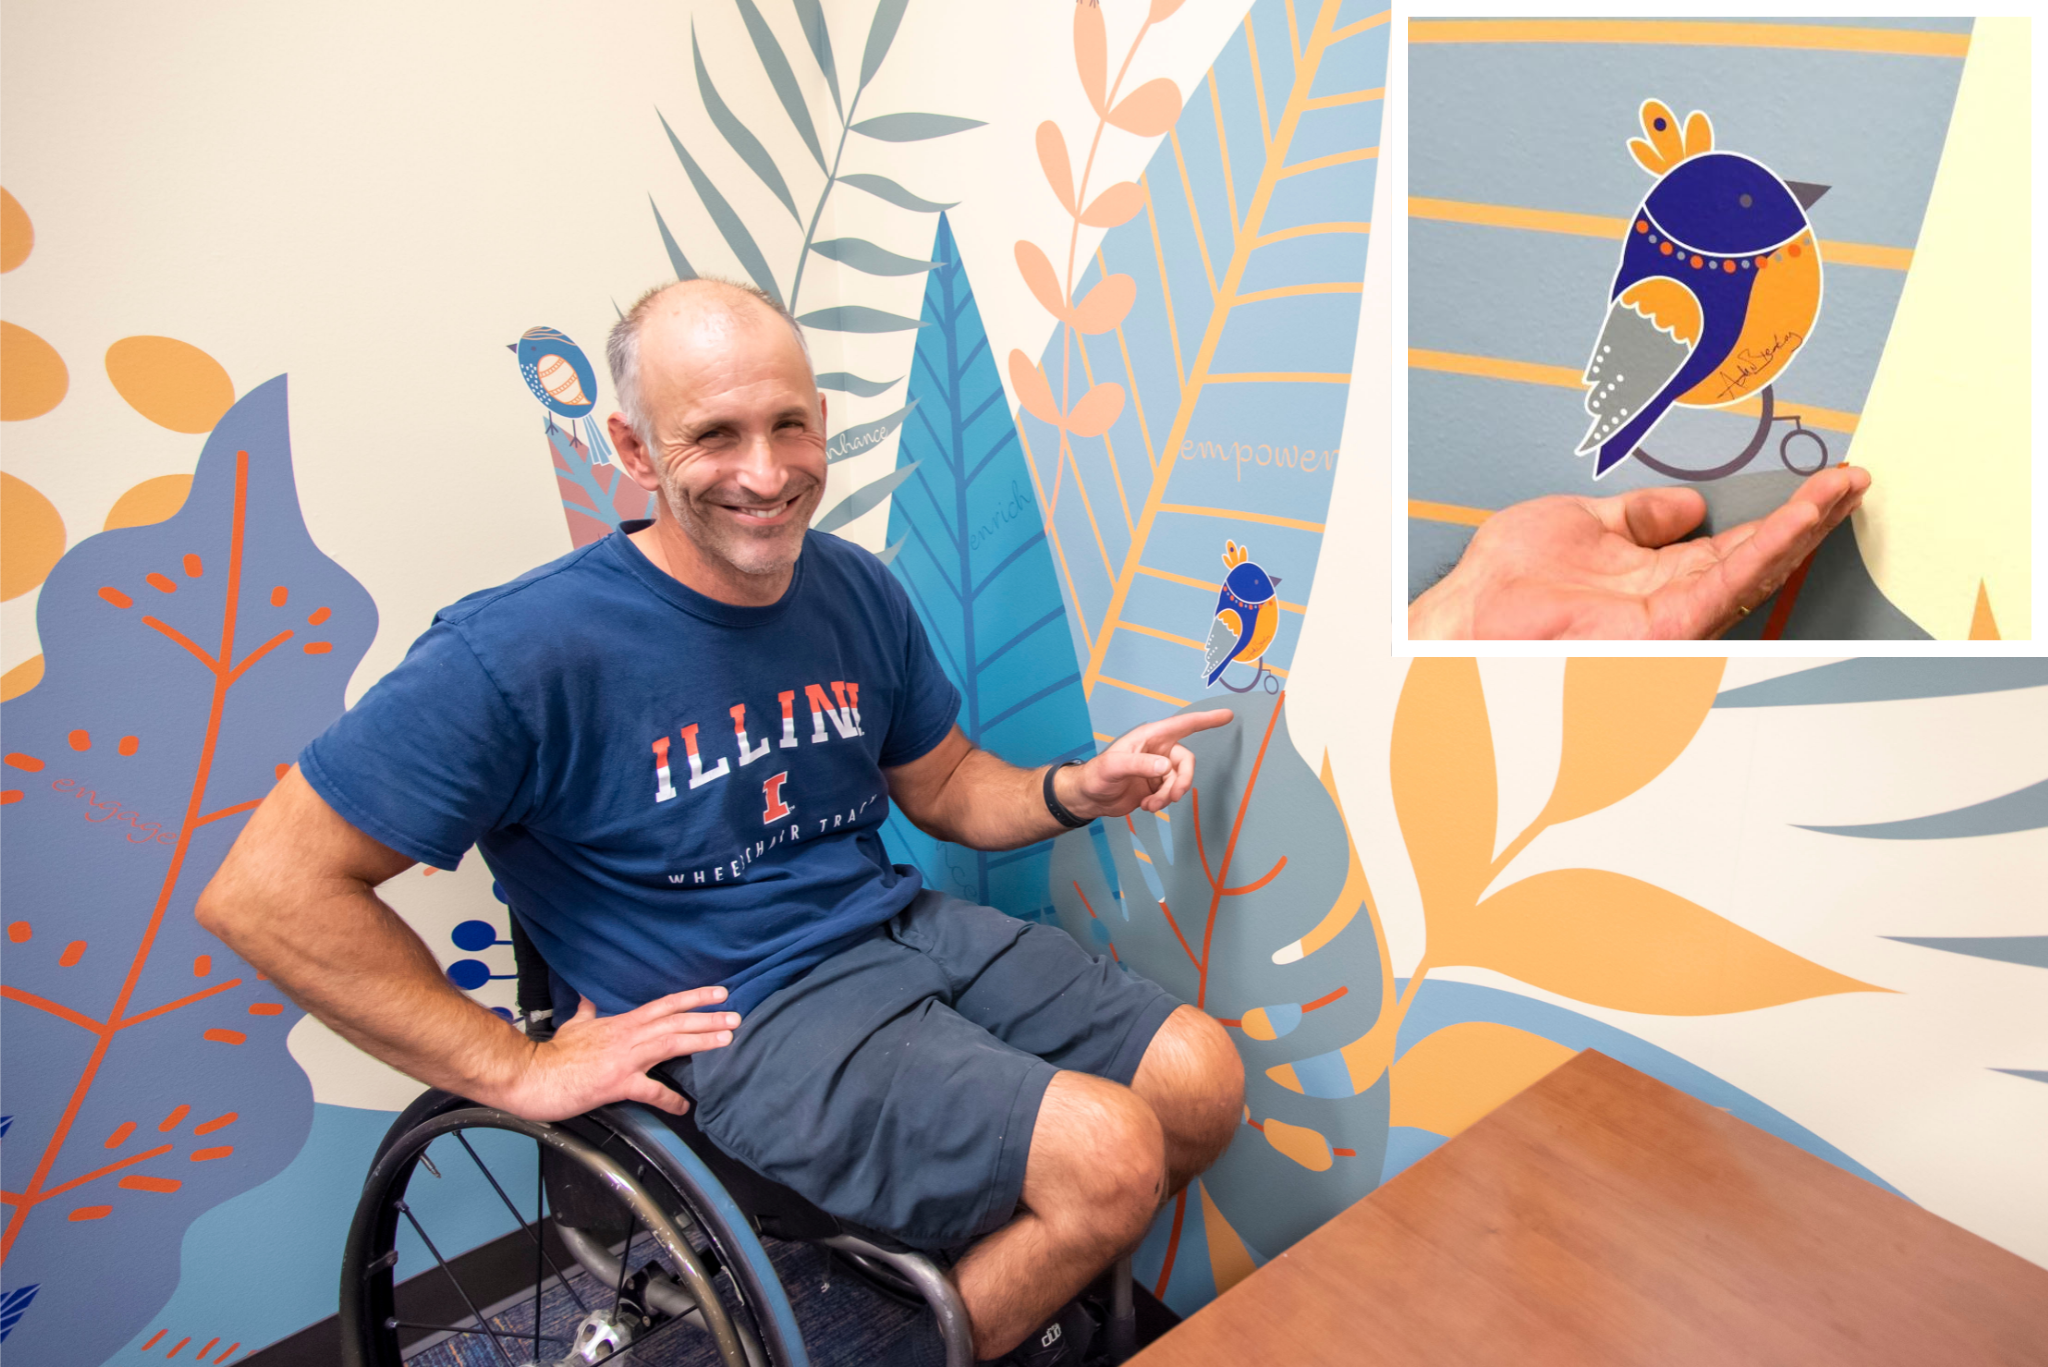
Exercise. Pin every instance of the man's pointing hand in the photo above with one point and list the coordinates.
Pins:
(1145, 767)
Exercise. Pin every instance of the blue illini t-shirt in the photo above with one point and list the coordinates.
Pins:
(673, 792)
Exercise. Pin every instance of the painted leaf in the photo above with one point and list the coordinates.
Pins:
(853, 384)
(1042, 279)
(881, 187)
(1105, 306)
(1625, 721)
(1441, 763)
(1234, 381)
(2023, 810)
(1097, 410)
(857, 318)
(33, 539)
(1091, 53)
(1887, 679)
(861, 500)
(1462, 1071)
(1116, 206)
(1149, 110)
(978, 569)
(1058, 166)
(1033, 391)
(812, 19)
(728, 223)
(1611, 940)
(855, 441)
(1230, 1262)
(868, 258)
(1163, 9)
(679, 263)
(783, 80)
(595, 498)
(881, 33)
(185, 662)
(737, 134)
(913, 127)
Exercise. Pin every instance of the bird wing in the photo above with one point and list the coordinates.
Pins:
(1225, 635)
(1651, 330)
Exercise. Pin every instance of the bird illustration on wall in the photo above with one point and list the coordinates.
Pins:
(560, 376)
(1247, 612)
(1718, 288)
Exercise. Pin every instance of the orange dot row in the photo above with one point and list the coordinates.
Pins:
(171, 1122)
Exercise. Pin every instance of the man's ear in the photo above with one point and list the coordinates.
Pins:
(823, 417)
(633, 453)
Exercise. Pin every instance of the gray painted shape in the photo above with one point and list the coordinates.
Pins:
(2036, 1074)
(2025, 810)
(1888, 679)
(1629, 344)
(2031, 950)
(1839, 601)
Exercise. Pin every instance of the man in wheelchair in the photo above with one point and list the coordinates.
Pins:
(675, 748)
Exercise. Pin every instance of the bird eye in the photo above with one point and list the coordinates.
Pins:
(1745, 201)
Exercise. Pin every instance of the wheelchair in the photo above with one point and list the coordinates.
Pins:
(643, 1240)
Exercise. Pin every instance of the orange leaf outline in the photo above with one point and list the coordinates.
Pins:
(1059, 168)
(1163, 9)
(1091, 53)
(1149, 110)
(1441, 765)
(1106, 305)
(1625, 721)
(1115, 206)
(1097, 411)
(1032, 390)
(1043, 280)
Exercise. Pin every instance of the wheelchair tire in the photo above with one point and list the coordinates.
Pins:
(619, 1172)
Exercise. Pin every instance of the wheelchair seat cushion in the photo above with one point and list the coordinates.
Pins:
(896, 1084)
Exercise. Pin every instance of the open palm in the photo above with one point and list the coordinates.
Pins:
(1565, 567)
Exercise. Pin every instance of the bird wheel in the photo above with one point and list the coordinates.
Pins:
(1264, 675)
(1785, 450)
(1765, 418)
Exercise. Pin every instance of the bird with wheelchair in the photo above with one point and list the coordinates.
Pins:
(674, 748)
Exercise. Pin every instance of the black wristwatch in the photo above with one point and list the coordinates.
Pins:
(1052, 803)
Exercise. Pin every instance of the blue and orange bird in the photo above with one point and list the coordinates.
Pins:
(1718, 288)
(1247, 612)
(559, 374)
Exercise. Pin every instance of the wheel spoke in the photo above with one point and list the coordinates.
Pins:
(485, 1325)
(533, 1231)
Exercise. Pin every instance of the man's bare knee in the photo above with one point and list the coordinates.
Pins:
(1194, 1080)
(1098, 1160)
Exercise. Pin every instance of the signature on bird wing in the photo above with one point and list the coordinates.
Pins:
(1749, 364)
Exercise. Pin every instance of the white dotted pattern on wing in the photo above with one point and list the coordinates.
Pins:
(1633, 359)
(1223, 634)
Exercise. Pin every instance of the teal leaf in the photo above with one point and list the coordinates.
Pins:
(857, 318)
(2013, 949)
(1887, 679)
(881, 33)
(866, 257)
(976, 564)
(2025, 810)
(861, 500)
(729, 225)
(676, 259)
(881, 187)
(812, 18)
(913, 127)
(853, 384)
(782, 78)
(743, 142)
(858, 441)
(888, 555)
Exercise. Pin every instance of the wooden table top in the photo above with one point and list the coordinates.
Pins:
(1603, 1217)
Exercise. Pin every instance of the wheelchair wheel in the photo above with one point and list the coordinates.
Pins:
(632, 1252)
(1785, 452)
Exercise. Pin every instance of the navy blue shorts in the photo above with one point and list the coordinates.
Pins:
(896, 1084)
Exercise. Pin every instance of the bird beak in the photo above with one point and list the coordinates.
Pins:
(512, 347)
(1806, 192)
(1276, 580)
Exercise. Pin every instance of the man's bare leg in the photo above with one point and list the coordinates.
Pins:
(1095, 1177)
(1193, 1079)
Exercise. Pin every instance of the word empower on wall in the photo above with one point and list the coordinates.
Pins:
(1260, 455)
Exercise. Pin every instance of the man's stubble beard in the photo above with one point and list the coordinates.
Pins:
(715, 541)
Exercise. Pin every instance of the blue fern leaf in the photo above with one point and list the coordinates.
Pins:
(676, 259)
(1887, 678)
(857, 318)
(866, 257)
(853, 384)
(881, 33)
(856, 440)
(6, 1123)
(736, 133)
(2023, 810)
(975, 560)
(730, 226)
(913, 127)
(13, 1305)
(812, 18)
(782, 78)
(881, 187)
(861, 500)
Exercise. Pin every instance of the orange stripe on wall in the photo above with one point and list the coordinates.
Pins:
(1447, 512)
(1597, 225)
(1692, 33)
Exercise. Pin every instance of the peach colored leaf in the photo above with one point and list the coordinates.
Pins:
(1441, 763)
(1163, 9)
(1106, 304)
(1059, 169)
(1114, 207)
(1045, 284)
(1097, 412)
(1453, 1077)
(1615, 941)
(1091, 52)
(1230, 1262)
(1149, 110)
(1625, 721)
(1305, 1146)
(1032, 390)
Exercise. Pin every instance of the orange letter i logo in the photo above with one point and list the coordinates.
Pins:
(771, 794)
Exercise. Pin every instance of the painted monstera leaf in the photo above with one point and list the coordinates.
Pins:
(187, 663)
(973, 557)
(1242, 256)
(595, 498)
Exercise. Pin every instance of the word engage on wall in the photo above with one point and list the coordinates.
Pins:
(100, 810)
(1262, 455)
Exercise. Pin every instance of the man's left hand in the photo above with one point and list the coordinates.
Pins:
(1146, 767)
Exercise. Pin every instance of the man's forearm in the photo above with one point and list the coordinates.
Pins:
(989, 804)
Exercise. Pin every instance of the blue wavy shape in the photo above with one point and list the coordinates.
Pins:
(1887, 679)
(977, 567)
(2012, 949)
(2025, 810)
(127, 1025)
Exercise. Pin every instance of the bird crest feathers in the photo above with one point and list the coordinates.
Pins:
(1235, 555)
(1667, 146)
